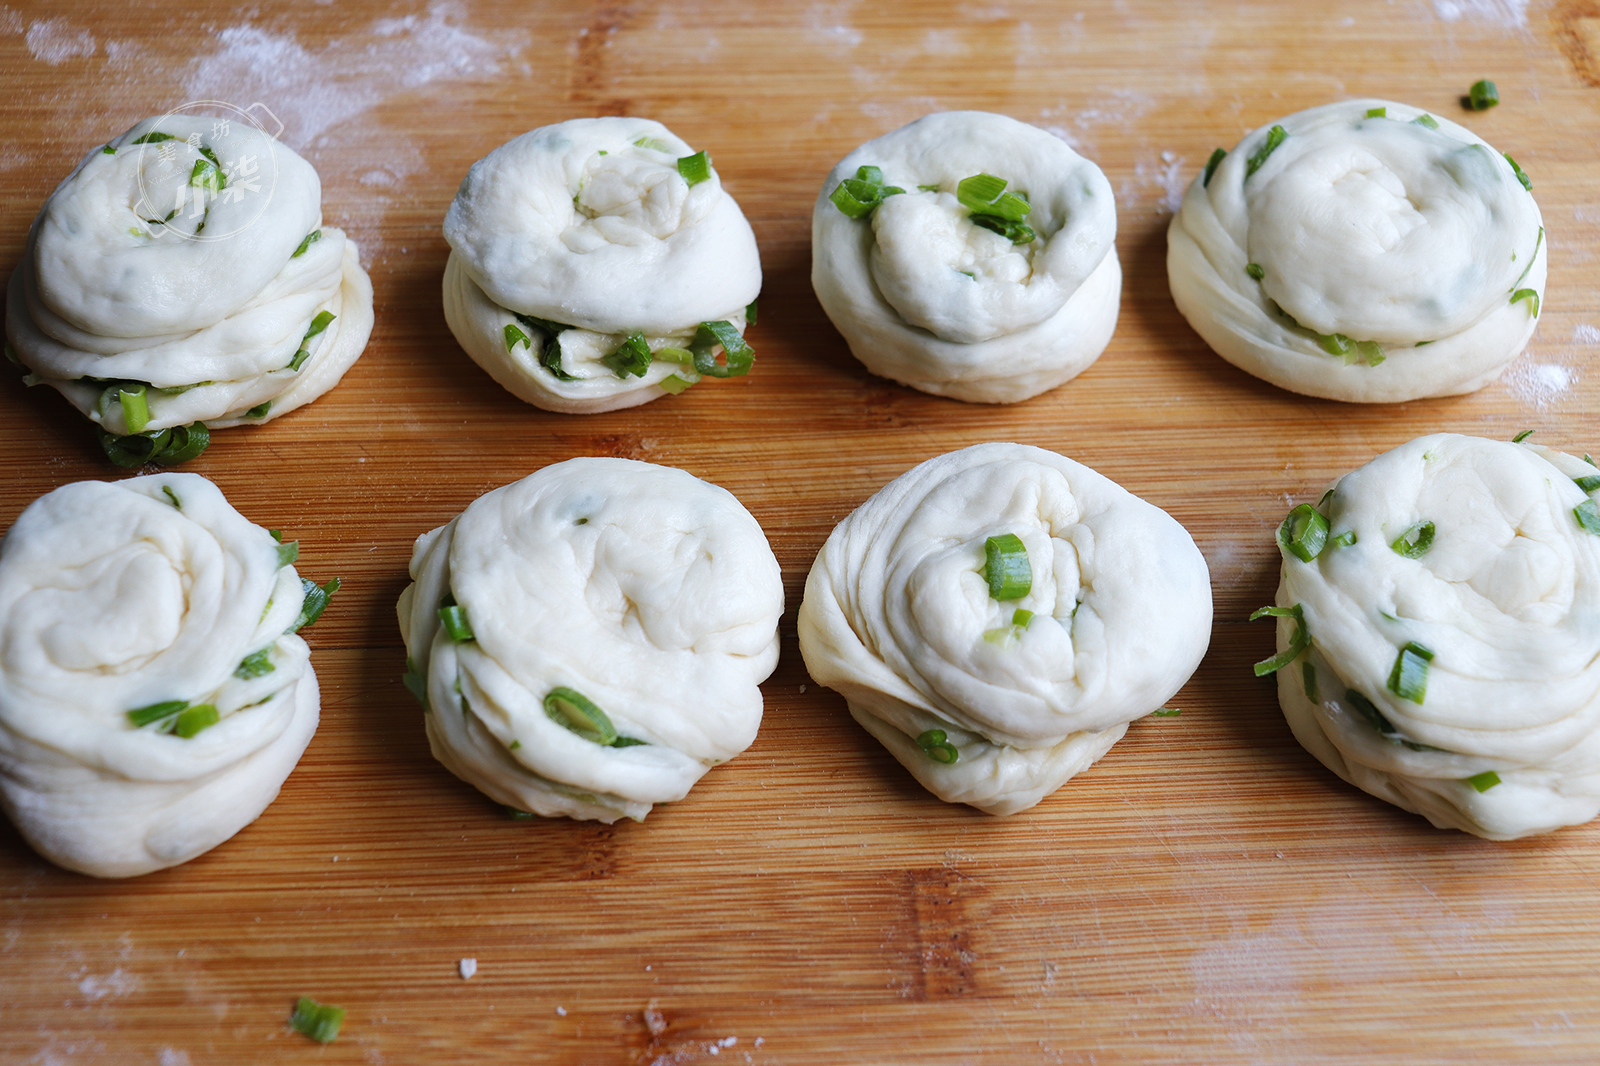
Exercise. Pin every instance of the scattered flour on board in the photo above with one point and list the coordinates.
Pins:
(54, 41)
(174, 1057)
(118, 982)
(1165, 174)
(1540, 384)
(1508, 13)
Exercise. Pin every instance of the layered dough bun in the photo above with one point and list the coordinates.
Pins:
(153, 693)
(588, 641)
(181, 274)
(1363, 251)
(943, 284)
(598, 264)
(994, 693)
(1439, 633)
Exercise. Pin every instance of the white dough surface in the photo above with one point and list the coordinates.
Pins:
(114, 598)
(926, 297)
(897, 610)
(650, 592)
(1375, 228)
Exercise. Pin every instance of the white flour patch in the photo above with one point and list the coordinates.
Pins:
(830, 24)
(1583, 333)
(1512, 14)
(1149, 173)
(174, 1057)
(118, 982)
(54, 41)
(1121, 107)
(1538, 385)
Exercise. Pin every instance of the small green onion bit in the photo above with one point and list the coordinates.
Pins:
(515, 336)
(205, 175)
(1275, 136)
(1426, 120)
(1303, 533)
(1020, 617)
(936, 745)
(1409, 679)
(315, 601)
(631, 357)
(985, 194)
(135, 408)
(1371, 351)
(1369, 711)
(319, 1021)
(453, 617)
(106, 149)
(1015, 232)
(259, 410)
(156, 712)
(750, 311)
(415, 682)
(738, 356)
(857, 197)
(1377, 112)
(1006, 567)
(1588, 483)
(1531, 295)
(1482, 96)
(311, 238)
(1217, 156)
(1588, 517)
(1255, 271)
(1527, 183)
(1343, 540)
(518, 816)
(1299, 640)
(1524, 435)
(1414, 542)
(1482, 782)
(166, 446)
(194, 719)
(695, 168)
(288, 553)
(673, 384)
(256, 664)
(153, 137)
(318, 324)
(1166, 712)
(574, 711)
(1335, 343)
(1308, 678)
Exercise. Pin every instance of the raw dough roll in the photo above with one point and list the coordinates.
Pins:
(902, 618)
(588, 641)
(182, 274)
(1362, 251)
(153, 693)
(1453, 665)
(598, 264)
(926, 295)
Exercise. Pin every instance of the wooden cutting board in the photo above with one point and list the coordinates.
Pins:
(1206, 894)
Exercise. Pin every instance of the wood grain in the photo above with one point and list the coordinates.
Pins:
(1206, 894)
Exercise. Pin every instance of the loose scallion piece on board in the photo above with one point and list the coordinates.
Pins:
(1483, 95)
(319, 1021)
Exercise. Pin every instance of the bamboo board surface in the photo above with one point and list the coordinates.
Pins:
(1206, 894)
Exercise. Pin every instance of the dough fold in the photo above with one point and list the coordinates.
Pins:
(650, 594)
(189, 263)
(928, 297)
(1363, 251)
(569, 239)
(898, 617)
(118, 597)
(1457, 675)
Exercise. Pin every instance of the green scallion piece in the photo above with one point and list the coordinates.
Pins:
(1255, 270)
(1006, 567)
(1015, 232)
(629, 742)
(673, 384)
(311, 238)
(194, 719)
(206, 175)
(1369, 711)
(1020, 617)
(259, 410)
(871, 174)
(1522, 176)
(1166, 712)
(453, 617)
(653, 144)
(1426, 120)
(1217, 156)
(695, 168)
(1588, 517)
(319, 1021)
(166, 446)
(172, 496)
(1303, 533)
(750, 313)
(631, 357)
(1275, 136)
(106, 149)
(1308, 678)
(515, 336)
(574, 711)
(1377, 112)
(415, 683)
(1335, 343)
(1524, 435)
(1371, 351)
(315, 601)
(288, 553)
(936, 744)
(1531, 295)
(153, 137)
(1483, 782)
(1343, 540)
(518, 816)
(135, 408)
(1482, 96)
(984, 194)
(1409, 678)
(738, 356)
(1299, 640)
(1414, 542)
(256, 664)
(156, 712)
(1588, 483)
(858, 196)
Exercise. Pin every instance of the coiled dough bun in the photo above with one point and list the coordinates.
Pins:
(566, 241)
(1363, 251)
(899, 618)
(611, 620)
(150, 595)
(1453, 666)
(934, 300)
(193, 262)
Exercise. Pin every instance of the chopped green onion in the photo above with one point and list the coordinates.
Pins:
(1588, 517)
(1335, 343)
(873, 175)
(256, 664)
(631, 357)
(750, 313)
(276, 534)
(1217, 156)
(574, 711)
(1538, 242)
(288, 553)
(1483, 782)
(259, 410)
(937, 746)
(1521, 176)
(1481, 97)
(1020, 617)
(858, 196)
(1409, 679)
(173, 496)
(515, 336)
(1531, 295)
(1588, 483)
(166, 446)
(514, 745)
(928, 188)
(695, 168)
(205, 175)
(1414, 542)
(1308, 678)
(135, 409)
(107, 150)
(1377, 112)
(415, 683)
(1275, 136)
(1303, 533)
(153, 137)
(156, 712)
(319, 1021)
(1524, 435)
(318, 324)
(984, 194)
(738, 356)
(1166, 712)
(1015, 232)
(315, 602)
(194, 719)
(453, 617)
(1368, 710)
(311, 238)
(1006, 567)
(1299, 640)
(1343, 540)
(1427, 120)
(672, 384)
(1371, 352)
(1255, 270)
(652, 144)
(518, 816)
